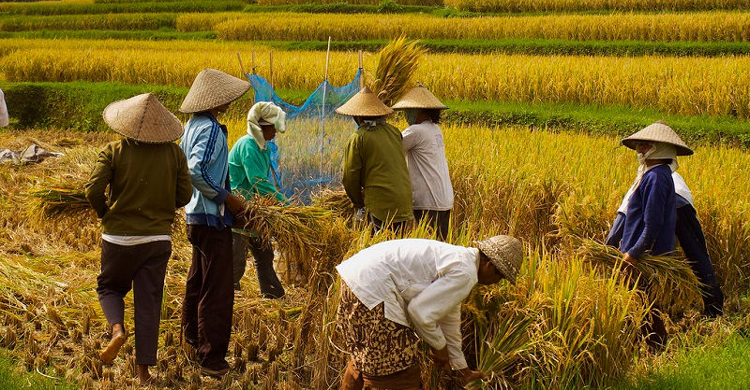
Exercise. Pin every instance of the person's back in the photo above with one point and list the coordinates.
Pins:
(385, 177)
(428, 167)
(144, 188)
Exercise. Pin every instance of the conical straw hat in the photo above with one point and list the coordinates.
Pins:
(658, 132)
(213, 88)
(143, 118)
(419, 97)
(364, 103)
(505, 252)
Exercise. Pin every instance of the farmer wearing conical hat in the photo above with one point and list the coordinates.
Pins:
(432, 191)
(393, 289)
(147, 176)
(375, 173)
(651, 214)
(209, 297)
(687, 228)
(249, 168)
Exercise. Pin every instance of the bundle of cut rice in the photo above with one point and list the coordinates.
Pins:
(397, 63)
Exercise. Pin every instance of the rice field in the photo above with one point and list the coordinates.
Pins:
(573, 319)
(527, 185)
(688, 86)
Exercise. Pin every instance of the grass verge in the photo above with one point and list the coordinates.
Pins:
(726, 366)
(11, 377)
(78, 105)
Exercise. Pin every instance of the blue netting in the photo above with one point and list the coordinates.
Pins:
(308, 155)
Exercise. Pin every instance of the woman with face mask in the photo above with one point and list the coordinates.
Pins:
(651, 213)
(432, 191)
(688, 231)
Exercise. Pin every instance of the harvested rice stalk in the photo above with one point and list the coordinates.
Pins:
(669, 281)
(336, 201)
(397, 63)
(296, 228)
(58, 199)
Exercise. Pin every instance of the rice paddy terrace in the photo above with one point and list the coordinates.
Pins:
(540, 92)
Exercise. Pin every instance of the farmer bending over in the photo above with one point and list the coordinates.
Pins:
(207, 308)
(393, 287)
(375, 173)
(249, 168)
(148, 179)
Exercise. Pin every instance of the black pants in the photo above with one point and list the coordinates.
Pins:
(143, 267)
(439, 220)
(209, 296)
(270, 286)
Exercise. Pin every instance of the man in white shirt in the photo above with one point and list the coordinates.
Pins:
(432, 191)
(393, 289)
(4, 119)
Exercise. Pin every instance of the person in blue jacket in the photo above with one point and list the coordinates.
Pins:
(209, 296)
(651, 214)
(689, 234)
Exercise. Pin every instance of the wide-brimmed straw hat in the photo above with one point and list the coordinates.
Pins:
(419, 97)
(505, 252)
(213, 88)
(658, 132)
(364, 103)
(143, 118)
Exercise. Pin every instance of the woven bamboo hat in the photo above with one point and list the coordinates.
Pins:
(213, 88)
(419, 97)
(658, 132)
(143, 118)
(364, 103)
(505, 252)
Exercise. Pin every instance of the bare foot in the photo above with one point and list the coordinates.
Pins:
(144, 376)
(118, 339)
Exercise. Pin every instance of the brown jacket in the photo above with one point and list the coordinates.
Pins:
(147, 182)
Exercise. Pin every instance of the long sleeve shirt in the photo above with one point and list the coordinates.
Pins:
(375, 174)
(428, 167)
(147, 182)
(651, 216)
(249, 168)
(421, 284)
(205, 146)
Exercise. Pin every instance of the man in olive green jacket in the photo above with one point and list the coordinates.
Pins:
(148, 179)
(375, 172)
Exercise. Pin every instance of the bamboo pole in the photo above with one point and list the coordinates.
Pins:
(361, 72)
(323, 110)
(270, 55)
(253, 59)
(242, 67)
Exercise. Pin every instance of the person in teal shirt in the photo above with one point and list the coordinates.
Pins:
(249, 167)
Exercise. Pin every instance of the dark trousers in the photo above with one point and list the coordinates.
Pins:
(143, 267)
(270, 286)
(439, 220)
(209, 297)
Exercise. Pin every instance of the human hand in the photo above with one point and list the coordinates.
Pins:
(628, 259)
(440, 357)
(469, 376)
(234, 204)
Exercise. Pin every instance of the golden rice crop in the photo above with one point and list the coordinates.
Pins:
(710, 86)
(404, 2)
(699, 26)
(89, 22)
(593, 5)
(204, 21)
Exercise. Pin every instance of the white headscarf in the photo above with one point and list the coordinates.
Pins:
(264, 113)
(658, 151)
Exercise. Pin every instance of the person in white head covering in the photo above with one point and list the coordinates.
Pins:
(432, 191)
(249, 167)
(135, 187)
(689, 233)
(4, 118)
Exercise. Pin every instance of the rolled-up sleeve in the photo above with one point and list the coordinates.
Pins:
(96, 187)
(436, 302)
